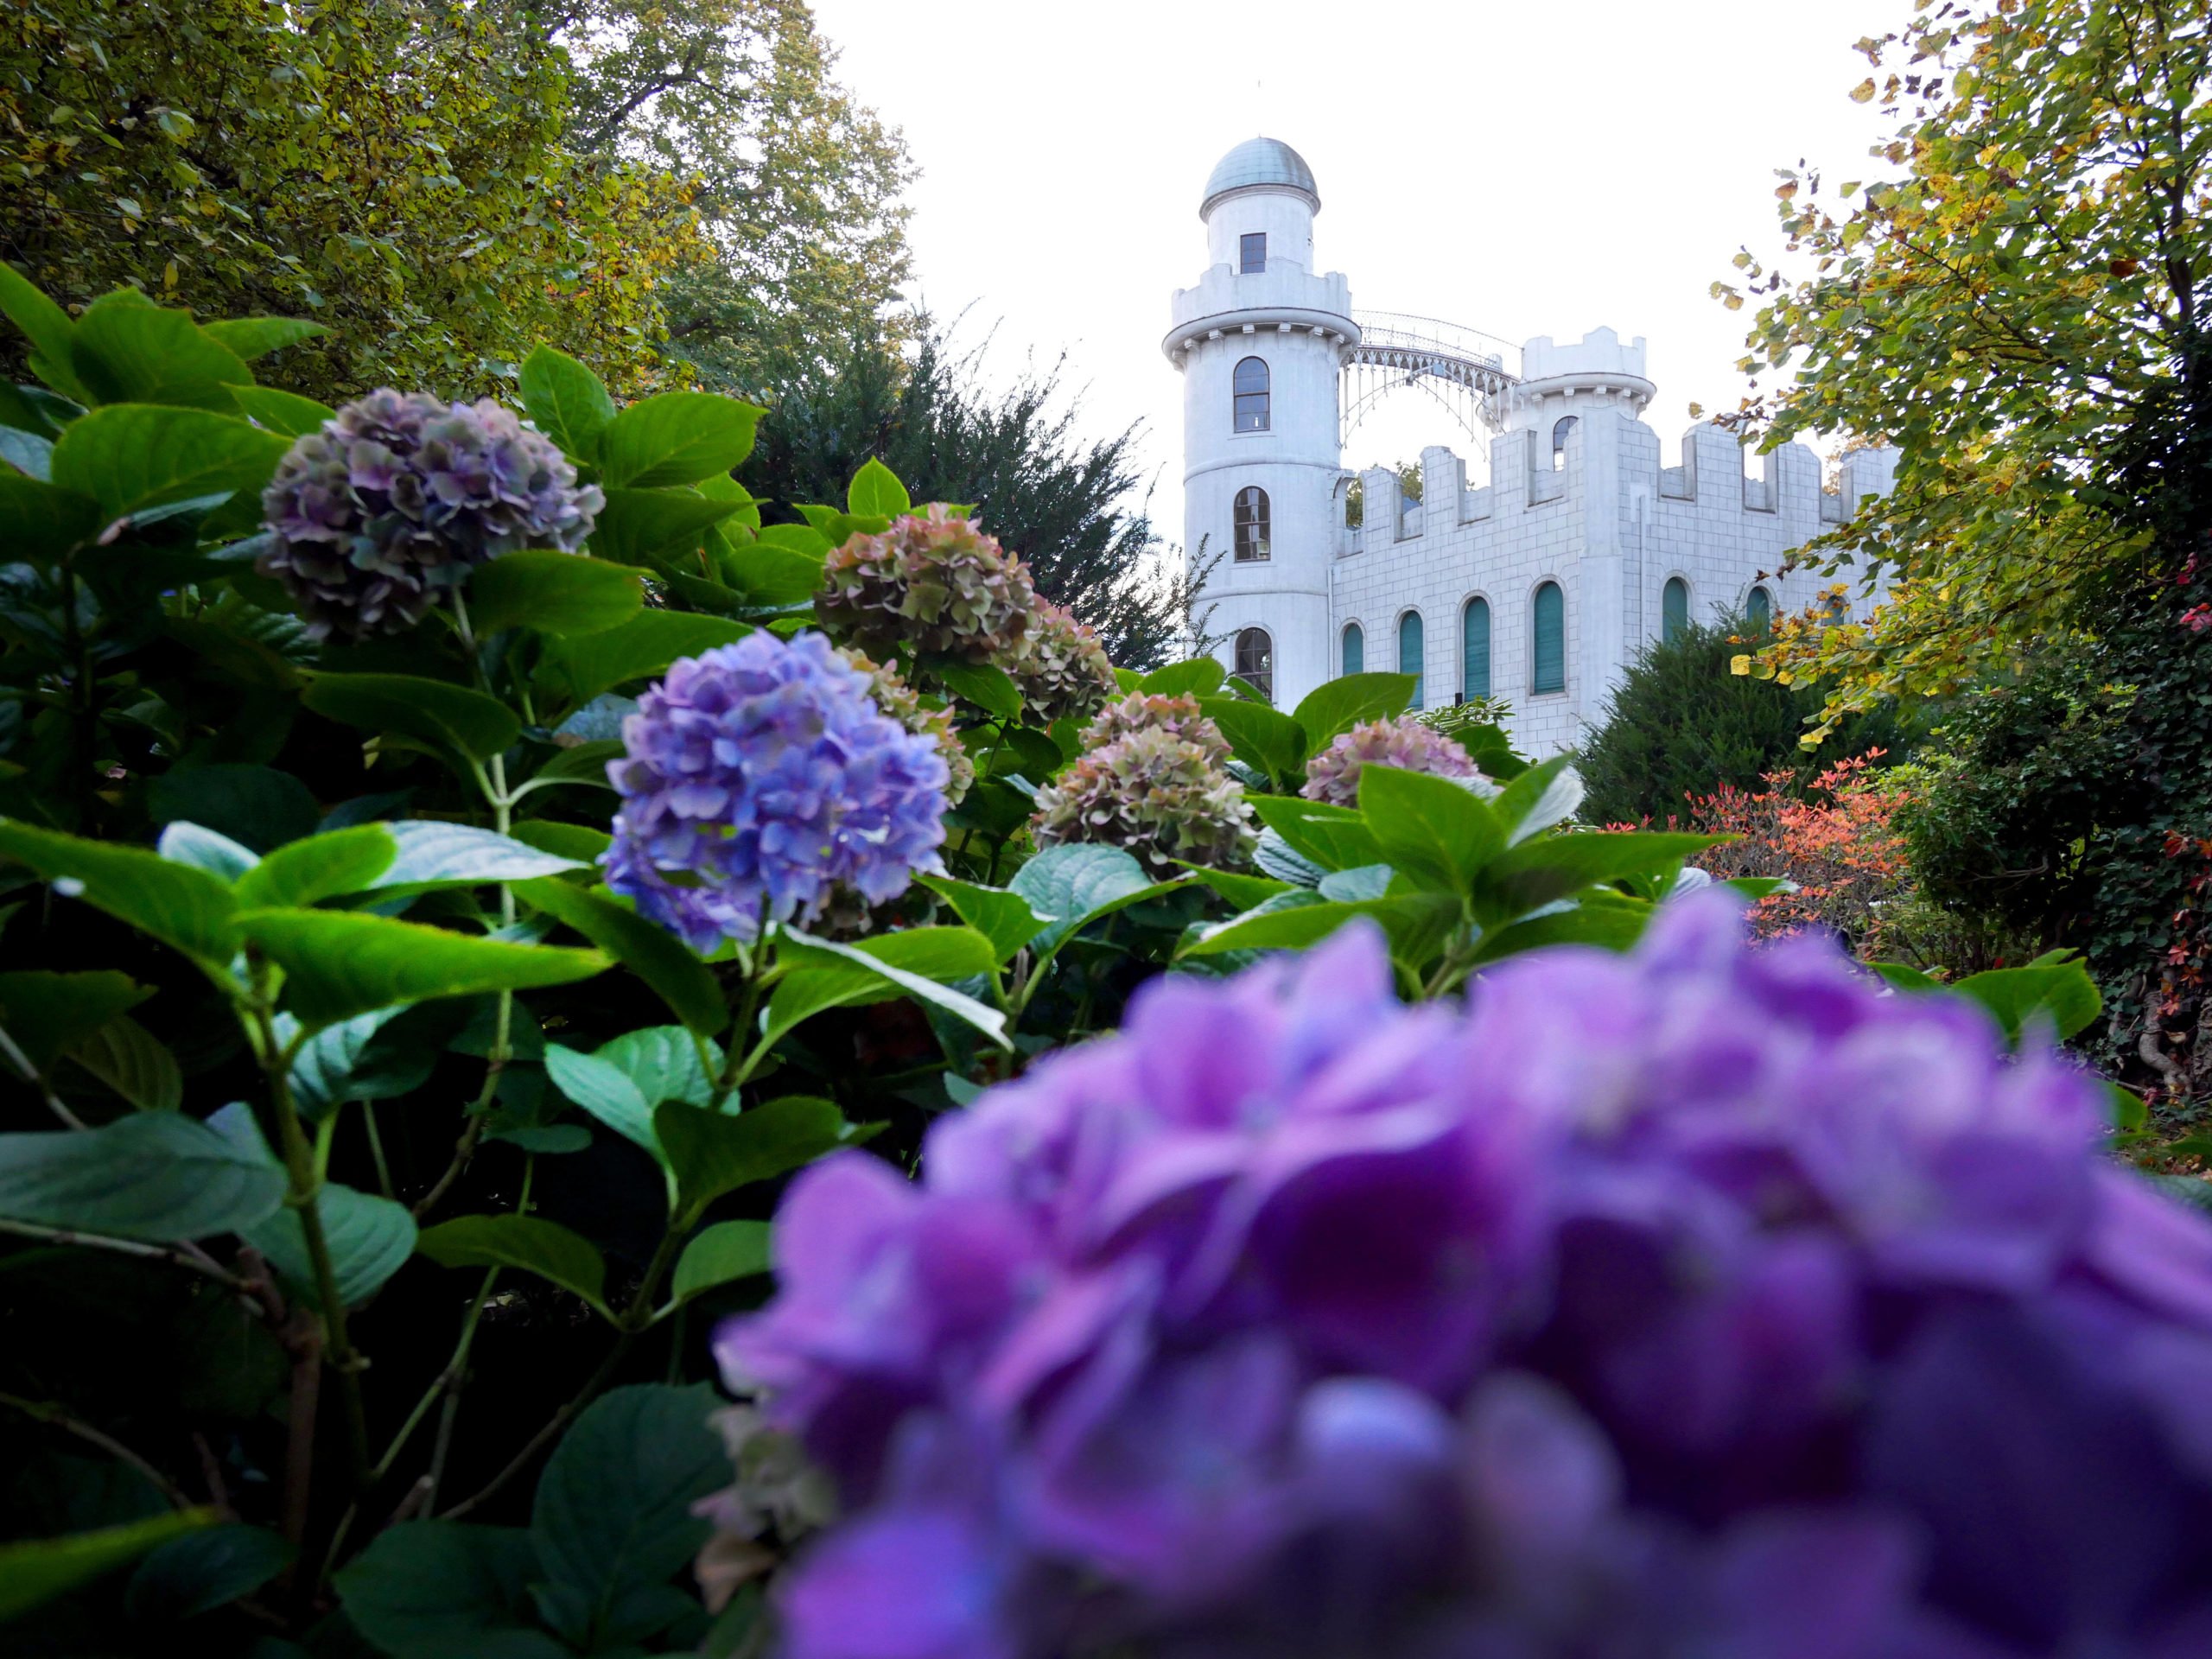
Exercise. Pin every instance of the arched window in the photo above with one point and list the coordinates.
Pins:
(1409, 656)
(1559, 429)
(1759, 610)
(1355, 648)
(1474, 648)
(1549, 656)
(1674, 609)
(1251, 385)
(1251, 524)
(1255, 661)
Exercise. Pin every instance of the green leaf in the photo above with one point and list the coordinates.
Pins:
(659, 957)
(640, 648)
(1201, 677)
(28, 453)
(770, 576)
(1609, 921)
(544, 1248)
(940, 953)
(606, 1091)
(677, 437)
(1538, 799)
(1432, 828)
(130, 1060)
(251, 338)
(1266, 742)
(640, 526)
(186, 909)
(714, 1153)
(664, 1063)
(1277, 859)
(612, 1520)
(148, 354)
(1330, 837)
(1416, 925)
(1553, 866)
(45, 524)
(48, 328)
(1003, 917)
(283, 412)
(443, 1590)
(203, 848)
(2059, 992)
(1337, 706)
(154, 1176)
(38, 1570)
(259, 807)
(304, 873)
(369, 1237)
(203, 1571)
(1242, 891)
(566, 402)
(1900, 976)
(875, 492)
(555, 593)
(130, 457)
(1490, 749)
(726, 1251)
(576, 841)
(435, 854)
(799, 948)
(338, 965)
(432, 711)
(345, 1062)
(583, 765)
(46, 1013)
(989, 687)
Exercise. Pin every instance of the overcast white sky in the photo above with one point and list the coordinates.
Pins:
(1537, 168)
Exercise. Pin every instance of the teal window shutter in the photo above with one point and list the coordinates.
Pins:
(1474, 648)
(1759, 610)
(1409, 656)
(1355, 648)
(1550, 654)
(1674, 609)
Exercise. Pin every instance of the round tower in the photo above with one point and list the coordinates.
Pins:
(1258, 341)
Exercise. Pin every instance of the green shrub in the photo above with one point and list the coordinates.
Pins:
(1682, 724)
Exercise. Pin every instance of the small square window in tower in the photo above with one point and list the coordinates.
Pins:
(1252, 517)
(1251, 252)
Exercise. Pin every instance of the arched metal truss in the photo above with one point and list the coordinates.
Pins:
(1466, 371)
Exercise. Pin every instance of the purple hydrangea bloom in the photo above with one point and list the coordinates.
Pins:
(1698, 1302)
(762, 782)
(396, 498)
(1405, 742)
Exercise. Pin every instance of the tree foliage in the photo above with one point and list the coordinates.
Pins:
(394, 170)
(2009, 301)
(1065, 502)
(1682, 726)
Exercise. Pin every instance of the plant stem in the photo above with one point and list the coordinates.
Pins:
(176, 1255)
(306, 1186)
(538, 1441)
(31, 1075)
(56, 1417)
(376, 1148)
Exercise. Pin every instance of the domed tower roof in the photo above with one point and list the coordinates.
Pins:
(1259, 162)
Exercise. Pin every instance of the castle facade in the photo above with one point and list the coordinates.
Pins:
(1539, 586)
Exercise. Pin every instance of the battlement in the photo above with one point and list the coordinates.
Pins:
(1285, 296)
(1597, 352)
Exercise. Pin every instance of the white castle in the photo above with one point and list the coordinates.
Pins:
(1539, 587)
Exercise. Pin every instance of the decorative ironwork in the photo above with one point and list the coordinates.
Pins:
(1465, 370)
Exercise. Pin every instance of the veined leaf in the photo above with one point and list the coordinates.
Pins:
(535, 1245)
(185, 908)
(337, 964)
(155, 1175)
(660, 958)
(566, 402)
(677, 437)
(1336, 705)
(727, 1250)
(714, 1153)
(129, 457)
(1431, 829)
(565, 594)
(449, 716)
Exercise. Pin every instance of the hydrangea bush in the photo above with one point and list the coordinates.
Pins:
(1703, 1302)
(1334, 774)
(759, 779)
(393, 500)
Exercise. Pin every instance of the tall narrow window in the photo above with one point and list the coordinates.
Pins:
(1355, 648)
(1474, 649)
(1409, 655)
(1255, 661)
(1759, 610)
(1549, 656)
(1251, 252)
(1251, 524)
(1251, 383)
(1560, 430)
(1674, 609)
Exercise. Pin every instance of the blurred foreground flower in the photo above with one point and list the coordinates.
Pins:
(397, 497)
(1334, 774)
(1703, 1302)
(762, 778)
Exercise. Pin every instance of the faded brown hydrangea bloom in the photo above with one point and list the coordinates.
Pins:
(933, 584)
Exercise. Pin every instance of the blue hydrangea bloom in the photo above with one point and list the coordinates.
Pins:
(1704, 1301)
(761, 777)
